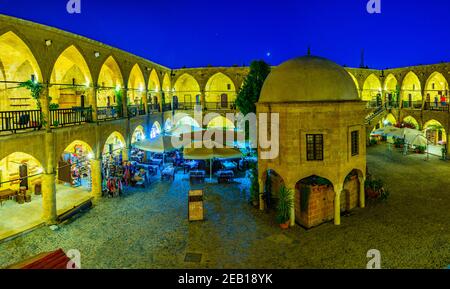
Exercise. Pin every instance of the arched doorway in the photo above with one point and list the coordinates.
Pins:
(71, 79)
(314, 201)
(17, 64)
(154, 88)
(273, 182)
(20, 193)
(109, 93)
(436, 92)
(155, 131)
(392, 91)
(411, 92)
(187, 88)
(410, 122)
(350, 196)
(74, 167)
(437, 137)
(372, 91)
(220, 92)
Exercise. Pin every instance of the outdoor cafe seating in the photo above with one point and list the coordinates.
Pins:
(225, 176)
(197, 176)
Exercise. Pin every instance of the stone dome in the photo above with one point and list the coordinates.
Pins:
(310, 79)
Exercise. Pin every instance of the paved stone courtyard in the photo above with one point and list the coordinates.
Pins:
(149, 228)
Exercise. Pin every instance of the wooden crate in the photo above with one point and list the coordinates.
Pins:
(195, 208)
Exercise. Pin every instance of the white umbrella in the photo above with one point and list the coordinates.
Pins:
(418, 140)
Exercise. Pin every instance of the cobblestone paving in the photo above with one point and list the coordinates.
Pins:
(149, 228)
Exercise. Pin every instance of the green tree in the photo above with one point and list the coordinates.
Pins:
(248, 96)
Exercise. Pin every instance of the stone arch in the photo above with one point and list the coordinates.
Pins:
(436, 132)
(436, 86)
(115, 144)
(70, 79)
(273, 182)
(187, 121)
(110, 82)
(167, 88)
(18, 64)
(138, 134)
(411, 92)
(155, 130)
(220, 88)
(356, 83)
(390, 83)
(410, 121)
(371, 88)
(10, 170)
(187, 89)
(390, 120)
(314, 201)
(136, 86)
(154, 87)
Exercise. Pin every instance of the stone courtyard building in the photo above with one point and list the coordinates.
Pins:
(321, 134)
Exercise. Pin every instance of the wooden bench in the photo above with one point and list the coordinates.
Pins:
(51, 260)
(7, 195)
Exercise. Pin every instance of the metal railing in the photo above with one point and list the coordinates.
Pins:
(220, 106)
(135, 110)
(70, 116)
(436, 106)
(20, 120)
(109, 112)
(152, 108)
(167, 107)
(186, 105)
(412, 104)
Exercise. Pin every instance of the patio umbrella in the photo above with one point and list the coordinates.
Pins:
(388, 131)
(210, 150)
(159, 144)
(184, 129)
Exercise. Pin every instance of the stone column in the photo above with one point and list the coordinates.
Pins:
(96, 174)
(45, 107)
(337, 205)
(261, 195)
(362, 192)
(93, 103)
(203, 99)
(49, 213)
(292, 224)
(125, 102)
(145, 101)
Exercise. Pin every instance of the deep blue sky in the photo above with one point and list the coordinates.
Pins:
(193, 33)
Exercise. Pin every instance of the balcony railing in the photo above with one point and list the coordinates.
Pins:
(153, 108)
(185, 105)
(70, 116)
(20, 120)
(220, 106)
(374, 104)
(135, 110)
(412, 104)
(437, 106)
(109, 113)
(167, 107)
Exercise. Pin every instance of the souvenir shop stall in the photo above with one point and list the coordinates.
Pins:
(74, 167)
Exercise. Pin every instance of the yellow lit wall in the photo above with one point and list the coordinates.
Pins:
(70, 65)
(218, 85)
(136, 86)
(411, 85)
(187, 89)
(9, 170)
(154, 86)
(436, 85)
(110, 79)
(371, 88)
(167, 88)
(17, 63)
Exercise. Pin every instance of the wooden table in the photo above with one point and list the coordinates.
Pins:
(168, 173)
(195, 210)
(6, 195)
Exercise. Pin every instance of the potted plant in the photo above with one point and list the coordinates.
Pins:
(421, 149)
(254, 187)
(284, 207)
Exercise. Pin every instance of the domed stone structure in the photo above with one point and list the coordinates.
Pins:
(308, 78)
(321, 133)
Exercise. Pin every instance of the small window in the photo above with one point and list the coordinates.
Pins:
(355, 143)
(314, 147)
(229, 86)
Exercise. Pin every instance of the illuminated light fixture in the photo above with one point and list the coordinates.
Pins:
(48, 42)
(141, 89)
(87, 83)
(90, 156)
(97, 54)
(118, 87)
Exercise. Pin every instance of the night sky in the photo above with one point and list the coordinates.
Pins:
(194, 33)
